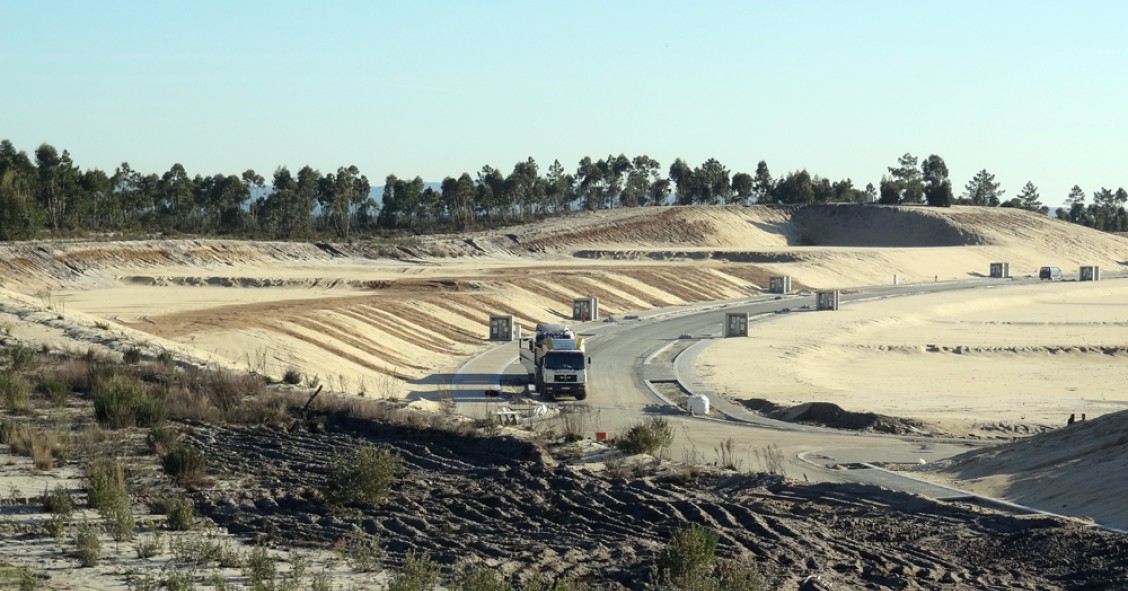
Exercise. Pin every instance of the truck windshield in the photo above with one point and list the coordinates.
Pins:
(564, 360)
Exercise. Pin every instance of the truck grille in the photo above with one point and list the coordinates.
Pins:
(566, 378)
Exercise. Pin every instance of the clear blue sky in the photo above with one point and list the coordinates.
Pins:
(1028, 90)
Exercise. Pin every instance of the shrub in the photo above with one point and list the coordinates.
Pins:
(86, 545)
(16, 435)
(689, 555)
(179, 514)
(363, 551)
(149, 412)
(165, 359)
(22, 358)
(15, 391)
(482, 578)
(362, 477)
(46, 447)
(105, 485)
(544, 584)
(149, 545)
(115, 402)
(59, 501)
(55, 390)
(162, 439)
(131, 356)
(56, 526)
(185, 464)
(293, 376)
(260, 570)
(119, 520)
(419, 573)
(647, 437)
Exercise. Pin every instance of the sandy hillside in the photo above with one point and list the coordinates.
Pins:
(381, 317)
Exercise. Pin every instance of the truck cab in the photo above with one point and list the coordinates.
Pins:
(1051, 273)
(556, 361)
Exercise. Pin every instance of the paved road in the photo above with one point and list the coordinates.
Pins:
(629, 355)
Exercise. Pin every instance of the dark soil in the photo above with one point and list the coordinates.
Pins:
(828, 414)
(503, 499)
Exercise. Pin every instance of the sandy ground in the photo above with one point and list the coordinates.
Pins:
(1029, 354)
(383, 321)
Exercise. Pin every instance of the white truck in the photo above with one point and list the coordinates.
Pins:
(556, 360)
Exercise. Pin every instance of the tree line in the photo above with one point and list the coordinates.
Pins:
(48, 192)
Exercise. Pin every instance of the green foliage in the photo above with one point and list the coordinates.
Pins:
(149, 412)
(186, 464)
(482, 578)
(162, 439)
(149, 545)
(59, 501)
(15, 391)
(22, 358)
(179, 515)
(115, 403)
(17, 435)
(105, 485)
(362, 477)
(419, 573)
(201, 550)
(118, 517)
(688, 563)
(87, 546)
(260, 570)
(647, 437)
(131, 356)
(56, 526)
(55, 390)
(363, 551)
(165, 359)
(546, 584)
(690, 553)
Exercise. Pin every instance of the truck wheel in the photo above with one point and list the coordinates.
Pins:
(548, 396)
(581, 395)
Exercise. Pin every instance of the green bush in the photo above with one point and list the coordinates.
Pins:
(185, 464)
(86, 545)
(15, 391)
(17, 435)
(260, 570)
(115, 402)
(118, 517)
(419, 573)
(689, 555)
(105, 485)
(149, 412)
(22, 357)
(165, 358)
(55, 390)
(162, 439)
(647, 437)
(179, 514)
(58, 501)
(482, 578)
(363, 551)
(362, 477)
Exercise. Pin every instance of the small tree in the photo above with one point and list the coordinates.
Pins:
(363, 476)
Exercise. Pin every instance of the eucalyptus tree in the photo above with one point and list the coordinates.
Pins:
(742, 187)
(339, 195)
(21, 217)
(176, 201)
(937, 186)
(684, 182)
(526, 187)
(591, 183)
(57, 183)
(98, 205)
(643, 173)
(457, 199)
(796, 187)
(713, 182)
(490, 192)
(763, 186)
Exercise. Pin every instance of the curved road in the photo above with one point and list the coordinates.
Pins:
(621, 394)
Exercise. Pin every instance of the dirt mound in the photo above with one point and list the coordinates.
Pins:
(828, 414)
(497, 499)
(1068, 459)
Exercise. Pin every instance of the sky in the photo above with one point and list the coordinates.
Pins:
(1028, 90)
